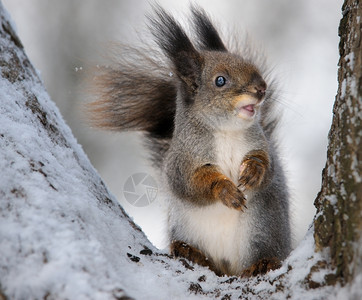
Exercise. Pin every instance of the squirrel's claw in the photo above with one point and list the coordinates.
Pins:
(253, 170)
(231, 196)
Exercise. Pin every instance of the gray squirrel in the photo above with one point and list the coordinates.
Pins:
(207, 115)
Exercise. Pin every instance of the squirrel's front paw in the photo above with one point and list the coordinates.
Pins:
(253, 169)
(230, 195)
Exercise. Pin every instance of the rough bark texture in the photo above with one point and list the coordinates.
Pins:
(338, 222)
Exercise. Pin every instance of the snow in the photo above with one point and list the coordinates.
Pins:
(343, 88)
(63, 236)
(332, 199)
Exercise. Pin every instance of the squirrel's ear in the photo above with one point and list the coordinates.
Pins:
(209, 38)
(174, 42)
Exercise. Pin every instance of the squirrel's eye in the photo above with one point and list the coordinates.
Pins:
(220, 81)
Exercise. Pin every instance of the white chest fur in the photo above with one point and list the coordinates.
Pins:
(231, 147)
(219, 231)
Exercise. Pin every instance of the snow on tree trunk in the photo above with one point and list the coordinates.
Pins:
(338, 224)
(63, 236)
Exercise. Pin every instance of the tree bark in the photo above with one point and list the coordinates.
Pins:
(47, 177)
(338, 222)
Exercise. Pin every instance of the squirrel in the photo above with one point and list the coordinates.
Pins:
(207, 114)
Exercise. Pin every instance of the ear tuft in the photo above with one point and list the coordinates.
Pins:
(208, 36)
(176, 45)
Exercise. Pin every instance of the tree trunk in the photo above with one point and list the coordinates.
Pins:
(338, 224)
(63, 236)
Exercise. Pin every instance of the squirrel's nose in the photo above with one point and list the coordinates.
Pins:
(259, 86)
(260, 90)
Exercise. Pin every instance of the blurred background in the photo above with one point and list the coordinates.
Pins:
(65, 38)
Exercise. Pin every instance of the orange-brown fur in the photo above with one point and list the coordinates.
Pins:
(212, 185)
(253, 169)
(181, 249)
(262, 267)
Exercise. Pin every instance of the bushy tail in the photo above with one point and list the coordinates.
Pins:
(136, 93)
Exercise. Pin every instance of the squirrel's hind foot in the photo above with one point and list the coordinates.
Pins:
(262, 267)
(182, 249)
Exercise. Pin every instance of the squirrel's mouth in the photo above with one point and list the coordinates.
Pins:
(248, 110)
(246, 107)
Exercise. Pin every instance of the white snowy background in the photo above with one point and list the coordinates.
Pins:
(63, 38)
